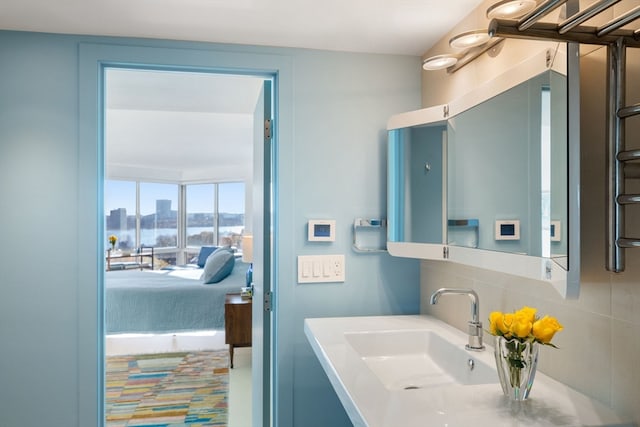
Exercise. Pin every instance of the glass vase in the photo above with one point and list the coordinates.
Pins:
(516, 362)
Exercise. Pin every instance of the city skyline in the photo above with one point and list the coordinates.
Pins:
(122, 194)
(195, 219)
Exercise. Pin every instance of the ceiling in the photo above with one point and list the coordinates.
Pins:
(408, 27)
(180, 126)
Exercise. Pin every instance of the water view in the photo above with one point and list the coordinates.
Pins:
(167, 237)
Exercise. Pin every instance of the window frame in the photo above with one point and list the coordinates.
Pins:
(182, 250)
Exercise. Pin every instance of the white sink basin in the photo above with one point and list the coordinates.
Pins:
(413, 371)
(418, 359)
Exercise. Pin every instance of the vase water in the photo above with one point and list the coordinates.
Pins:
(516, 362)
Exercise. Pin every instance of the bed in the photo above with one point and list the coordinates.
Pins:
(172, 300)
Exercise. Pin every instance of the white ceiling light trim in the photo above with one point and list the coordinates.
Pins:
(510, 9)
(469, 39)
(439, 62)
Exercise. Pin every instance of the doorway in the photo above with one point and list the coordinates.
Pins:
(168, 134)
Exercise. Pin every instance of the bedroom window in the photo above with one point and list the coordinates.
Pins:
(120, 215)
(231, 213)
(149, 214)
(158, 215)
(215, 214)
(200, 214)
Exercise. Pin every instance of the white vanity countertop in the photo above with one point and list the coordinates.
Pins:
(369, 403)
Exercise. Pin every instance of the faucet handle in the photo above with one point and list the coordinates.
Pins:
(475, 325)
(475, 336)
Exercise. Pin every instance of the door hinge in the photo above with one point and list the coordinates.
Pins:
(445, 252)
(268, 306)
(267, 129)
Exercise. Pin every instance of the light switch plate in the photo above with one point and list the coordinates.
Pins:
(320, 268)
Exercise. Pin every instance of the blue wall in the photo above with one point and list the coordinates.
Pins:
(331, 163)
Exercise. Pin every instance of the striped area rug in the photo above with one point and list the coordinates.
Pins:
(168, 390)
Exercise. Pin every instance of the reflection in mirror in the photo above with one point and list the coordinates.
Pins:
(504, 164)
(503, 174)
(559, 180)
(416, 184)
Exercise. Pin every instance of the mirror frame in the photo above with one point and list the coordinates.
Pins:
(566, 282)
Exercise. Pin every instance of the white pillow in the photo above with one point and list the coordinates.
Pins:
(218, 266)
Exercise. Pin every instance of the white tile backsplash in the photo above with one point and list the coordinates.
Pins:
(587, 356)
(625, 378)
(625, 300)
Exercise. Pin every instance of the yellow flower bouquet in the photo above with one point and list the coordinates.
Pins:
(516, 351)
(113, 239)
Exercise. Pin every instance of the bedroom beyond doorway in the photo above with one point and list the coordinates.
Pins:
(178, 158)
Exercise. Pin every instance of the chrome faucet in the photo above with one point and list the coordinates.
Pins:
(475, 325)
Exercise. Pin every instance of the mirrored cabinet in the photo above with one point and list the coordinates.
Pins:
(486, 180)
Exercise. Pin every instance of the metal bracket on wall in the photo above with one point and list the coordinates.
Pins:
(362, 225)
(473, 53)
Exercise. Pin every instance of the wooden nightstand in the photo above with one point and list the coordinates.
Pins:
(237, 322)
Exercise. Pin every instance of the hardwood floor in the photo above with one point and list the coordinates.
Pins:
(239, 376)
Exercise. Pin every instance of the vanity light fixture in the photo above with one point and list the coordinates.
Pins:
(439, 62)
(469, 39)
(454, 62)
(475, 42)
(510, 9)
